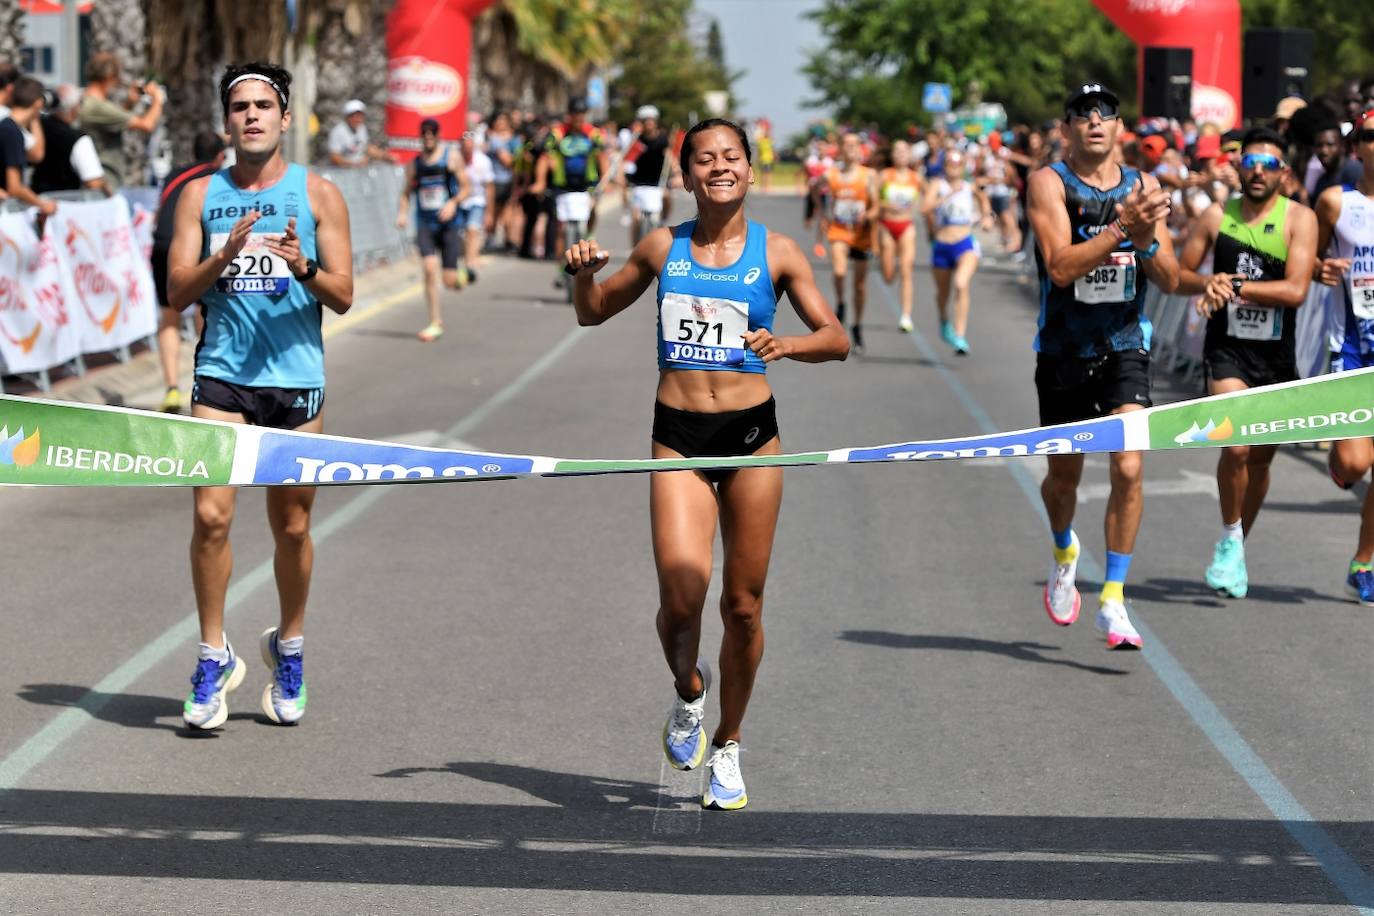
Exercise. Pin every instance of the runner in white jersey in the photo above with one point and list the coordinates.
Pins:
(1345, 238)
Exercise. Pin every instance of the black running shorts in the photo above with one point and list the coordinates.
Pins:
(1072, 388)
(274, 408)
(716, 435)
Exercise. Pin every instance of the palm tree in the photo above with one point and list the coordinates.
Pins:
(11, 30)
(540, 51)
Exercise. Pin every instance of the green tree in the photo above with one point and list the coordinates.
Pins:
(664, 67)
(878, 53)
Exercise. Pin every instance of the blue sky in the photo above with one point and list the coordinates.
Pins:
(768, 38)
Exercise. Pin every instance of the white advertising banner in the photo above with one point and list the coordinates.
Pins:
(39, 328)
(113, 300)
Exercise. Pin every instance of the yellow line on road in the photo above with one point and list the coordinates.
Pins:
(352, 318)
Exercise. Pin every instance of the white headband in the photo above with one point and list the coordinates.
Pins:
(254, 76)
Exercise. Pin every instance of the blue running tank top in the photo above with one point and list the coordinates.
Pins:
(262, 326)
(434, 185)
(1102, 312)
(704, 312)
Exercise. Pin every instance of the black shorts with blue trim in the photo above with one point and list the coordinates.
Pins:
(273, 408)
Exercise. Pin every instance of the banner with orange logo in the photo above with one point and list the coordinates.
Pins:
(112, 297)
(37, 330)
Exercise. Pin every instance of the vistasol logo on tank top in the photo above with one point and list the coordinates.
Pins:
(294, 459)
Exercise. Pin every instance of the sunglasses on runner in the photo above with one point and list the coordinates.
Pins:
(1264, 161)
(1365, 136)
(1083, 111)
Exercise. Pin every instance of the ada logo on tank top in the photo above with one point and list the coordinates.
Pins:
(678, 268)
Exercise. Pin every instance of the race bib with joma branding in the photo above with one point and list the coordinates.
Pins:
(703, 332)
(1111, 281)
(255, 270)
(1247, 321)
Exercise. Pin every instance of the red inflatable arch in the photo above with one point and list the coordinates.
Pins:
(1210, 27)
(428, 48)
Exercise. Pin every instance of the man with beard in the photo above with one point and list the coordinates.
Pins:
(1263, 250)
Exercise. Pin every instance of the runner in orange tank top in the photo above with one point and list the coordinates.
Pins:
(849, 226)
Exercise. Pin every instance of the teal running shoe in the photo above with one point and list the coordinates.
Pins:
(1227, 575)
(947, 333)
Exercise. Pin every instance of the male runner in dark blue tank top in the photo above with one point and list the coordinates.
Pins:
(1100, 231)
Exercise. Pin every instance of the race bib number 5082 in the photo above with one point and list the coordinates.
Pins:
(255, 271)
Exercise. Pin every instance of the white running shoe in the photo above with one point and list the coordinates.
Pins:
(684, 740)
(1062, 600)
(1115, 624)
(725, 787)
(906, 325)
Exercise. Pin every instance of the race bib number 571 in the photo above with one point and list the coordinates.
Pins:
(702, 332)
(255, 271)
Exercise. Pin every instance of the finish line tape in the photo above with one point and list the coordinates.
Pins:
(47, 443)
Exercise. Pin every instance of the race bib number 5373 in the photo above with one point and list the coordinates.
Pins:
(255, 271)
(702, 332)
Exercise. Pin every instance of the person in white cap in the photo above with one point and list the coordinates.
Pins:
(646, 170)
(349, 146)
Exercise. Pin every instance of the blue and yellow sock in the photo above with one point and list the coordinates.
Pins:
(1064, 549)
(1118, 564)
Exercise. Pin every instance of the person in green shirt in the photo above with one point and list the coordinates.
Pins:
(106, 120)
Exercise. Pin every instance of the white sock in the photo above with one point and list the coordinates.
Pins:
(219, 655)
(1232, 531)
(292, 646)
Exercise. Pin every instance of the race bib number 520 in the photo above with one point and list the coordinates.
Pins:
(255, 271)
(699, 331)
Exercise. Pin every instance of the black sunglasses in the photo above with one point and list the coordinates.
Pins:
(1365, 135)
(1083, 110)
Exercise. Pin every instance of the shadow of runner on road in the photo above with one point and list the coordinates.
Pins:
(1020, 650)
(1197, 592)
(567, 790)
(753, 853)
(131, 710)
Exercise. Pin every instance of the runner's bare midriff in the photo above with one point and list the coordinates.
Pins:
(705, 391)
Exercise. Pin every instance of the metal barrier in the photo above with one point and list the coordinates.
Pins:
(373, 194)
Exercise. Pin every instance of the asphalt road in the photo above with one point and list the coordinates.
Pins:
(487, 691)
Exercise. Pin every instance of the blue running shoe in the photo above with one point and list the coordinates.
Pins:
(947, 333)
(725, 788)
(206, 707)
(1227, 575)
(960, 345)
(283, 700)
(1359, 584)
(684, 740)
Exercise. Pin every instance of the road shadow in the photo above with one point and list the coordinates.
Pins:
(612, 847)
(896, 360)
(1197, 593)
(567, 790)
(550, 299)
(1020, 650)
(131, 710)
(382, 332)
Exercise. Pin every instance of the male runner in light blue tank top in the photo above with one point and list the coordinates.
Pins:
(262, 246)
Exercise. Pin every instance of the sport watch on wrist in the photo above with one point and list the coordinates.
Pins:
(311, 268)
(1236, 284)
(1149, 251)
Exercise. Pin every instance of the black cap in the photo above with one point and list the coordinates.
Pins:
(1089, 90)
(577, 105)
(429, 125)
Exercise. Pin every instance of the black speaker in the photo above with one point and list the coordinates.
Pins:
(1278, 63)
(1167, 88)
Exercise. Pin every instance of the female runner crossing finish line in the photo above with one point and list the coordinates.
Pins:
(719, 278)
